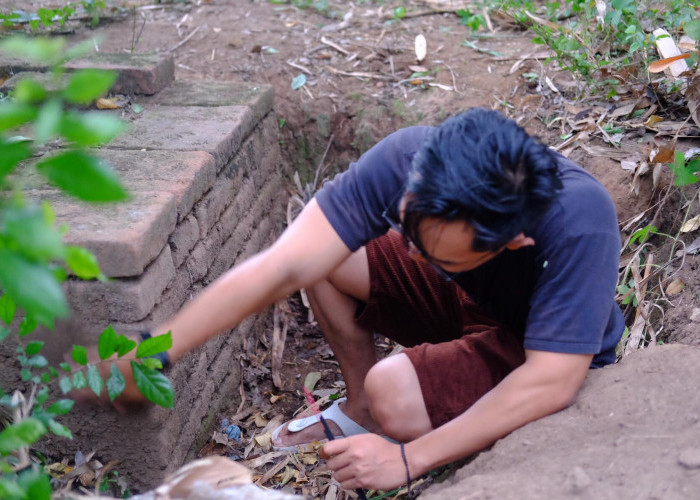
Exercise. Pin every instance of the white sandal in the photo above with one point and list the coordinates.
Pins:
(347, 426)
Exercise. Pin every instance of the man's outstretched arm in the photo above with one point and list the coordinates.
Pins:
(305, 253)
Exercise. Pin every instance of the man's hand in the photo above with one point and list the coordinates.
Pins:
(365, 461)
(130, 397)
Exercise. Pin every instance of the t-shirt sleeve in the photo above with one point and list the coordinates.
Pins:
(353, 202)
(570, 307)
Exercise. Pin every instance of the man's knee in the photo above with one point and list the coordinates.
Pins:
(395, 399)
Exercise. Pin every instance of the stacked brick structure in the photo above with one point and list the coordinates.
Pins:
(202, 165)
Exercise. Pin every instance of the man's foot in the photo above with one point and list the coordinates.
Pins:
(341, 418)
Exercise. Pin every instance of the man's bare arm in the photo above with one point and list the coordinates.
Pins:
(305, 253)
(546, 383)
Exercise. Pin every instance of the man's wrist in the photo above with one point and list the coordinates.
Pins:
(163, 357)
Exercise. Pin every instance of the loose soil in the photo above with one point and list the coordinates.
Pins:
(361, 83)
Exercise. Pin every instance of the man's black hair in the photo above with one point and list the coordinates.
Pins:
(484, 169)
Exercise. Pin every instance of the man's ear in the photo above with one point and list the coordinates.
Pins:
(520, 241)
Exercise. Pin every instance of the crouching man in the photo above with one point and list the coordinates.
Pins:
(490, 257)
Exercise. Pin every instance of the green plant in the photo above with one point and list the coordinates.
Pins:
(684, 174)
(49, 16)
(35, 260)
(474, 21)
(591, 43)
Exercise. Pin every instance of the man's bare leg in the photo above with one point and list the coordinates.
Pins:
(334, 303)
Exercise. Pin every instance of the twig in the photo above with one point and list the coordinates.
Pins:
(420, 13)
(323, 159)
(300, 67)
(454, 80)
(358, 74)
(337, 47)
(185, 40)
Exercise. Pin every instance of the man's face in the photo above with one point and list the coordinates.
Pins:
(448, 244)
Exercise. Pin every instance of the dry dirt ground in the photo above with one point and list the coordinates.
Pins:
(361, 83)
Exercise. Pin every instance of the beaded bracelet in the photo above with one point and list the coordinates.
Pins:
(408, 473)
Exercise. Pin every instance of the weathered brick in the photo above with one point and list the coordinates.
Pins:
(187, 175)
(214, 93)
(10, 65)
(122, 300)
(125, 237)
(217, 130)
(183, 239)
(136, 73)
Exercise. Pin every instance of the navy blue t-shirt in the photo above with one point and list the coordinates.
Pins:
(559, 293)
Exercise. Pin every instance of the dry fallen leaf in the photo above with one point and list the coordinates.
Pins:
(274, 398)
(417, 69)
(667, 49)
(311, 380)
(260, 420)
(104, 103)
(675, 287)
(692, 95)
(421, 46)
(264, 441)
(662, 64)
(691, 225)
(664, 154)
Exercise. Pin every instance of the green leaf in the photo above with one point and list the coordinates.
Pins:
(13, 114)
(62, 406)
(10, 489)
(92, 128)
(65, 367)
(94, 380)
(48, 120)
(152, 363)
(692, 29)
(25, 374)
(33, 348)
(39, 49)
(35, 238)
(83, 176)
(7, 309)
(4, 333)
(154, 385)
(36, 484)
(42, 395)
(154, 345)
(86, 85)
(82, 262)
(79, 381)
(20, 434)
(32, 286)
(124, 345)
(28, 91)
(299, 81)
(27, 326)
(60, 429)
(38, 361)
(66, 385)
(115, 382)
(683, 176)
(106, 346)
(11, 153)
(79, 355)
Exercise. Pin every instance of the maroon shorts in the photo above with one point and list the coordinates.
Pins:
(458, 352)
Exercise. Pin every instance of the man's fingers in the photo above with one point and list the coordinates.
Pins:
(334, 447)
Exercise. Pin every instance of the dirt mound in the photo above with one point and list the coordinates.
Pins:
(632, 433)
